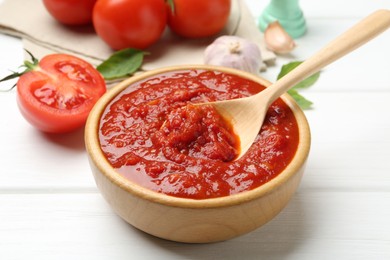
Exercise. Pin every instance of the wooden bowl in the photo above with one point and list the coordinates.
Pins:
(189, 220)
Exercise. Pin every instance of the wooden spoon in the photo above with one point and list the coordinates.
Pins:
(247, 114)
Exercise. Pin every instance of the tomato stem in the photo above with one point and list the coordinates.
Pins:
(171, 4)
(28, 65)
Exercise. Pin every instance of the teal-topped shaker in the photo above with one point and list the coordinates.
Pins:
(289, 15)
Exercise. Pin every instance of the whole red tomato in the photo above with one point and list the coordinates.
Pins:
(130, 23)
(71, 12)
(58, 93)
(198, 18)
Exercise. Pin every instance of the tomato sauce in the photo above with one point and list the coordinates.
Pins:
(152, 134)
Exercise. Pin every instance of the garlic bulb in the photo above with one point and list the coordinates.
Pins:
(277, 39)
(234, 52)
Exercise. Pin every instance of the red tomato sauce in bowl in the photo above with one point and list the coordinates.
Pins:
(153, 136)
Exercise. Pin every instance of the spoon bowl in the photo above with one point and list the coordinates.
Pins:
(247, 114)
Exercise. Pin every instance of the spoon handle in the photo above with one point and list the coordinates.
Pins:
(362, 32)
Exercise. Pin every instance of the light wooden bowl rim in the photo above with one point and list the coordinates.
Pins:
(97, 157)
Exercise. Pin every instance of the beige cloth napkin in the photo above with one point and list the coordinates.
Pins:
(41, 34)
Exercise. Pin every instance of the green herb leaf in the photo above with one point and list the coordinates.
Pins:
(304, 83)
(302, 101)
(122, 63)
(286, 68)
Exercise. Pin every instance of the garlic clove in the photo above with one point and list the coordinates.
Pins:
(277, 39)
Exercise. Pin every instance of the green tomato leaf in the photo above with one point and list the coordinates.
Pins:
(304, 83)
(122, 63)
(302, 101)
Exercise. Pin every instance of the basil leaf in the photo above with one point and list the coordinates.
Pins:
(286, 68)
(309, 81)
(301, 101)
(304, 83)
(122, 63)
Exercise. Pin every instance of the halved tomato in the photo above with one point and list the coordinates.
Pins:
(57, 94)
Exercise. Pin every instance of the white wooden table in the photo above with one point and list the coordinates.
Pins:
(50, 207)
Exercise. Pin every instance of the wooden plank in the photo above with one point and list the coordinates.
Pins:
(36, 162)
(11, 56)
(350, 141)
(315, 224)
(32, 159)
